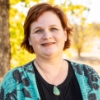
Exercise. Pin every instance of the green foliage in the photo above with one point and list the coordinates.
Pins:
(13, 2)
(51, 1)
(18, 55)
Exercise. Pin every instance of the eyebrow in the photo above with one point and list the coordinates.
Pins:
(53, 25)
(42, 28)
(36, 28)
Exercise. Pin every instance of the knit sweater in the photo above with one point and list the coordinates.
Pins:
(20, 83)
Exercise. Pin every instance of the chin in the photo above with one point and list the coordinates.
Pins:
(52, 54)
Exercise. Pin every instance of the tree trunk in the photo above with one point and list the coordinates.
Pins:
(4, 38)
(79, 52)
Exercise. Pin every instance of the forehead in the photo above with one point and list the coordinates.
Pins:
(47, 18)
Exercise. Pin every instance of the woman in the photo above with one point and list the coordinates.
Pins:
(49, 76)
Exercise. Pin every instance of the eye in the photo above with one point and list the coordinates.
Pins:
(53, 29)
(39, 31)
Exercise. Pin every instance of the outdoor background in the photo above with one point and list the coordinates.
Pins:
(83, 15)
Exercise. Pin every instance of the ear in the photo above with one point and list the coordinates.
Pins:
(65, 34)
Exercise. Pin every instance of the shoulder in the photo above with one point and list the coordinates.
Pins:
(88, 80)
(87, 73)
(14, 77)
(83, 69)
(17, 72)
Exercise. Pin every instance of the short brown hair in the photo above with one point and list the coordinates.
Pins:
(34, 13)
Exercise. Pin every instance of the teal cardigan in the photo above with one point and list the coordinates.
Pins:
(20, 83)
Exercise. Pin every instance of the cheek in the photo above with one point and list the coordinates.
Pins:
(64, 37)
(34, 40)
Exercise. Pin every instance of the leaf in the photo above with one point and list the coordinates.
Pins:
(13, 2)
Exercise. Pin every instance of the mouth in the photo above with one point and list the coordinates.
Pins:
(48, 44)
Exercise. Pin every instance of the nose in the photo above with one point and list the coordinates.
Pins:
(47, 35)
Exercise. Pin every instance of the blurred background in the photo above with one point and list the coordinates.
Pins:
(83, 15)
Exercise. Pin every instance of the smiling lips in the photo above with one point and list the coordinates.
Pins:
(48, 44)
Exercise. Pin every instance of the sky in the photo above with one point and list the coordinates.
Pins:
(94, 5)
(94, 15)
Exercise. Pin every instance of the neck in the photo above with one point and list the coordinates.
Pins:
(49, 66)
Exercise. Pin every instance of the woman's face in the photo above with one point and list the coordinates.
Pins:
(47, 37)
